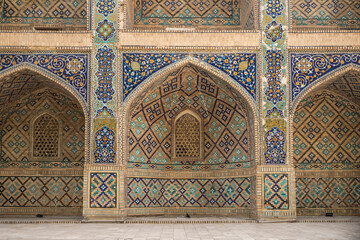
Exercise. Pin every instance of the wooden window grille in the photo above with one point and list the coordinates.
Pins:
(187, 136)
(46, 137)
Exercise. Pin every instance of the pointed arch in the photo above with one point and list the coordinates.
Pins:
(321, 82)
(50, 76)
(63, 85)
(312, 88)
(155, 80)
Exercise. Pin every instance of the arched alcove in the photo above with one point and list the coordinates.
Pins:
(218, 176)
(43, 138)
(326, 146)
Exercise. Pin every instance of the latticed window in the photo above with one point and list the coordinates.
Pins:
(46, 137)
(187, 136)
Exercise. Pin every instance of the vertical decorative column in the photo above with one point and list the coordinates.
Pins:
(275, 178)
(103, 174)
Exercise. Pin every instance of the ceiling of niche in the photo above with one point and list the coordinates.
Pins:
(16, 86)
(347, 85)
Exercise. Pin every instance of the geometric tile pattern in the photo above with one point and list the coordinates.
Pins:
(276, 191)
(225, 137)
(41, 191)
(72, 68)
(326, 133)
(327, 192)
(343, 14)
(308, 68)
(152, 192)
(137, 67)
(103, 190)
(348, 85)
(148, 13)
(16, 127)
(55, 12)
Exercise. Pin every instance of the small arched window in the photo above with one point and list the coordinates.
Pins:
(46, 136)
(187, 136)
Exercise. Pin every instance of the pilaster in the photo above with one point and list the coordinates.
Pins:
(275, 175)
(103, 174)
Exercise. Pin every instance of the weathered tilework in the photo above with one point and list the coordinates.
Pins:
(326, 133)
(104, 146)
(67, 12)
(17, 126)
(226, 133)
(103, 190)
(320, 14)
(308, 68)
(186, 12)
(72, 68)
(276, 191)
(148, 192)
(241, 67)
(327, 192)
(41, 191)
(139, 66)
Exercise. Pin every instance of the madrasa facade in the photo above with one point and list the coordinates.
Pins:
(112, 109)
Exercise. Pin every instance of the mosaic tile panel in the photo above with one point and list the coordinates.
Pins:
(72, 68)
(105, 78)
(151, 192)
(16, 131)
(274, 66)
(276, 191)
(326, 133)
(327, 192)
(226, 134)
(40, 12)
(306, 69)
(148, 13)
(137, 67)
(325, 14)
(41, 191)
(104, 146)
(103, 188)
